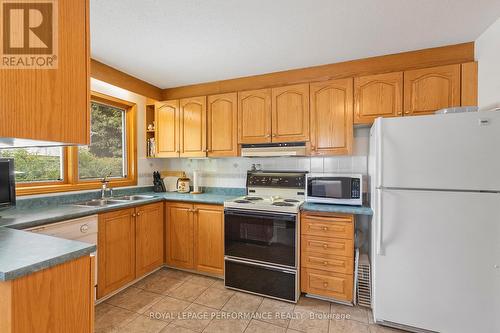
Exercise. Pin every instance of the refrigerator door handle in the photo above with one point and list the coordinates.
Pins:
(379, 241)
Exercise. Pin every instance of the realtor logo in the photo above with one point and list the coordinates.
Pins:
(28, 34)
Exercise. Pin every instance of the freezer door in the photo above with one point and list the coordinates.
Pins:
(438, 264)
(453, 151)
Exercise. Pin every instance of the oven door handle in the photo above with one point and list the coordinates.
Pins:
(270, 267)
(284, 217)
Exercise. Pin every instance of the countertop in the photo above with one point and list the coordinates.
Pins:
(345, 209)
(23, 252)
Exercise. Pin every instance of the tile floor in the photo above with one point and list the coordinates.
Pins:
(175, 301)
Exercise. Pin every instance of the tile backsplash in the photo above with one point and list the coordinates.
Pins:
(231, 172)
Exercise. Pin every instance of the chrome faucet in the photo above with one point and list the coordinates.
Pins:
(104, 187)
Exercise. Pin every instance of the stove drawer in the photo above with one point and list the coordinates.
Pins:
(327, 262)
(338, 226)
(332, 246)
(321, 283)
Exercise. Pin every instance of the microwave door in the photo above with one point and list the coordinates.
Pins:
(335, 188)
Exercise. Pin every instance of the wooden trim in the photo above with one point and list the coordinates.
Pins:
(108, 74)
(438, 56)
(71, 181)
(469, 84)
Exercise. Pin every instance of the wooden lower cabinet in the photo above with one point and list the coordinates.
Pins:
(327, 255)
(130, 245)
(179, 235)
(148, 238)
(116, 250)
(56, 299)
(194, 237)
(209, 239)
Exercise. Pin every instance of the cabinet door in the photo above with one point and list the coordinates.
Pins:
(193, 124)
(378, 96)
(52, 104)
(331, 117)
(469, 84)
(116, 255)
(179, 235)
(430, 89)
(167, 128)
(254, 116)
(222, 126)
(290, 110)
(209, 239)
(149, 241)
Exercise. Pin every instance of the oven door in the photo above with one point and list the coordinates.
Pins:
(261, 236)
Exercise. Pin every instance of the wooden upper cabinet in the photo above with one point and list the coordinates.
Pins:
(52, 104)
(116, 255)
(376, 96)
(193, 127)
(469, 84)
(167, 129)
(430, 89)
(209, 239)
(149, 238)
(179, 235)
(254, 116)
(290, 113)
(331, 117)
(222, 125)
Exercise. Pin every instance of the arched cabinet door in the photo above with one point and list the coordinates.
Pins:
(167, 129)
(430, 89)
(193, 127)
(254, 116)
(290, 113)
(331, 117)
(222, 126)
(376, 96)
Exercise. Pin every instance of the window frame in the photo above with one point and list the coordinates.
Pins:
(71, 181)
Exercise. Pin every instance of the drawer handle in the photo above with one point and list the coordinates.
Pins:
(84, 228)
(325, 284)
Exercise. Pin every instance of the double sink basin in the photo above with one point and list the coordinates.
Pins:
(106, 202)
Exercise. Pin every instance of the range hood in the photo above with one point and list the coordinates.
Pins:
(274, 149)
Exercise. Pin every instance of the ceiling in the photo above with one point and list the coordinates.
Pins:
(171, 43)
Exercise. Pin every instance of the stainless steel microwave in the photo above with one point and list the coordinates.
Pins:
(333, 188)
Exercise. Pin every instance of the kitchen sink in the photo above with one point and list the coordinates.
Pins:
(99, 203)
(134, 197)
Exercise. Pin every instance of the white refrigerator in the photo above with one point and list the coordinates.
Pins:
(435, 183)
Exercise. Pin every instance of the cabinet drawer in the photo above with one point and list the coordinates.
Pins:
(327, 262)
(326, 226)
(321, 283)
(323, 245)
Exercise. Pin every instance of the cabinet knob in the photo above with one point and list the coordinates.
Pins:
(268, 135)
(325, 246)
(274, 135)
(325, 228)
(138, 213)
(133, 214)
(325, 284)
(325, 263)
(84, 228)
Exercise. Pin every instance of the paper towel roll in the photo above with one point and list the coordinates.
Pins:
(196, 181)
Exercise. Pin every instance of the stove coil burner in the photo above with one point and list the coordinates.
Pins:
(282, 204)
(291, 200)
(242, 201)
(253, 198)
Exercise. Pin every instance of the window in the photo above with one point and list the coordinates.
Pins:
(111, 153)
(44, 164)
(106, 155)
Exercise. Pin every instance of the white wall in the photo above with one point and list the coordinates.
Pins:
(487, 50)
(145, 166)
(231, 172)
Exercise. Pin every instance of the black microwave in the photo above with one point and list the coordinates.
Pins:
(7, 183)
(332, 188)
